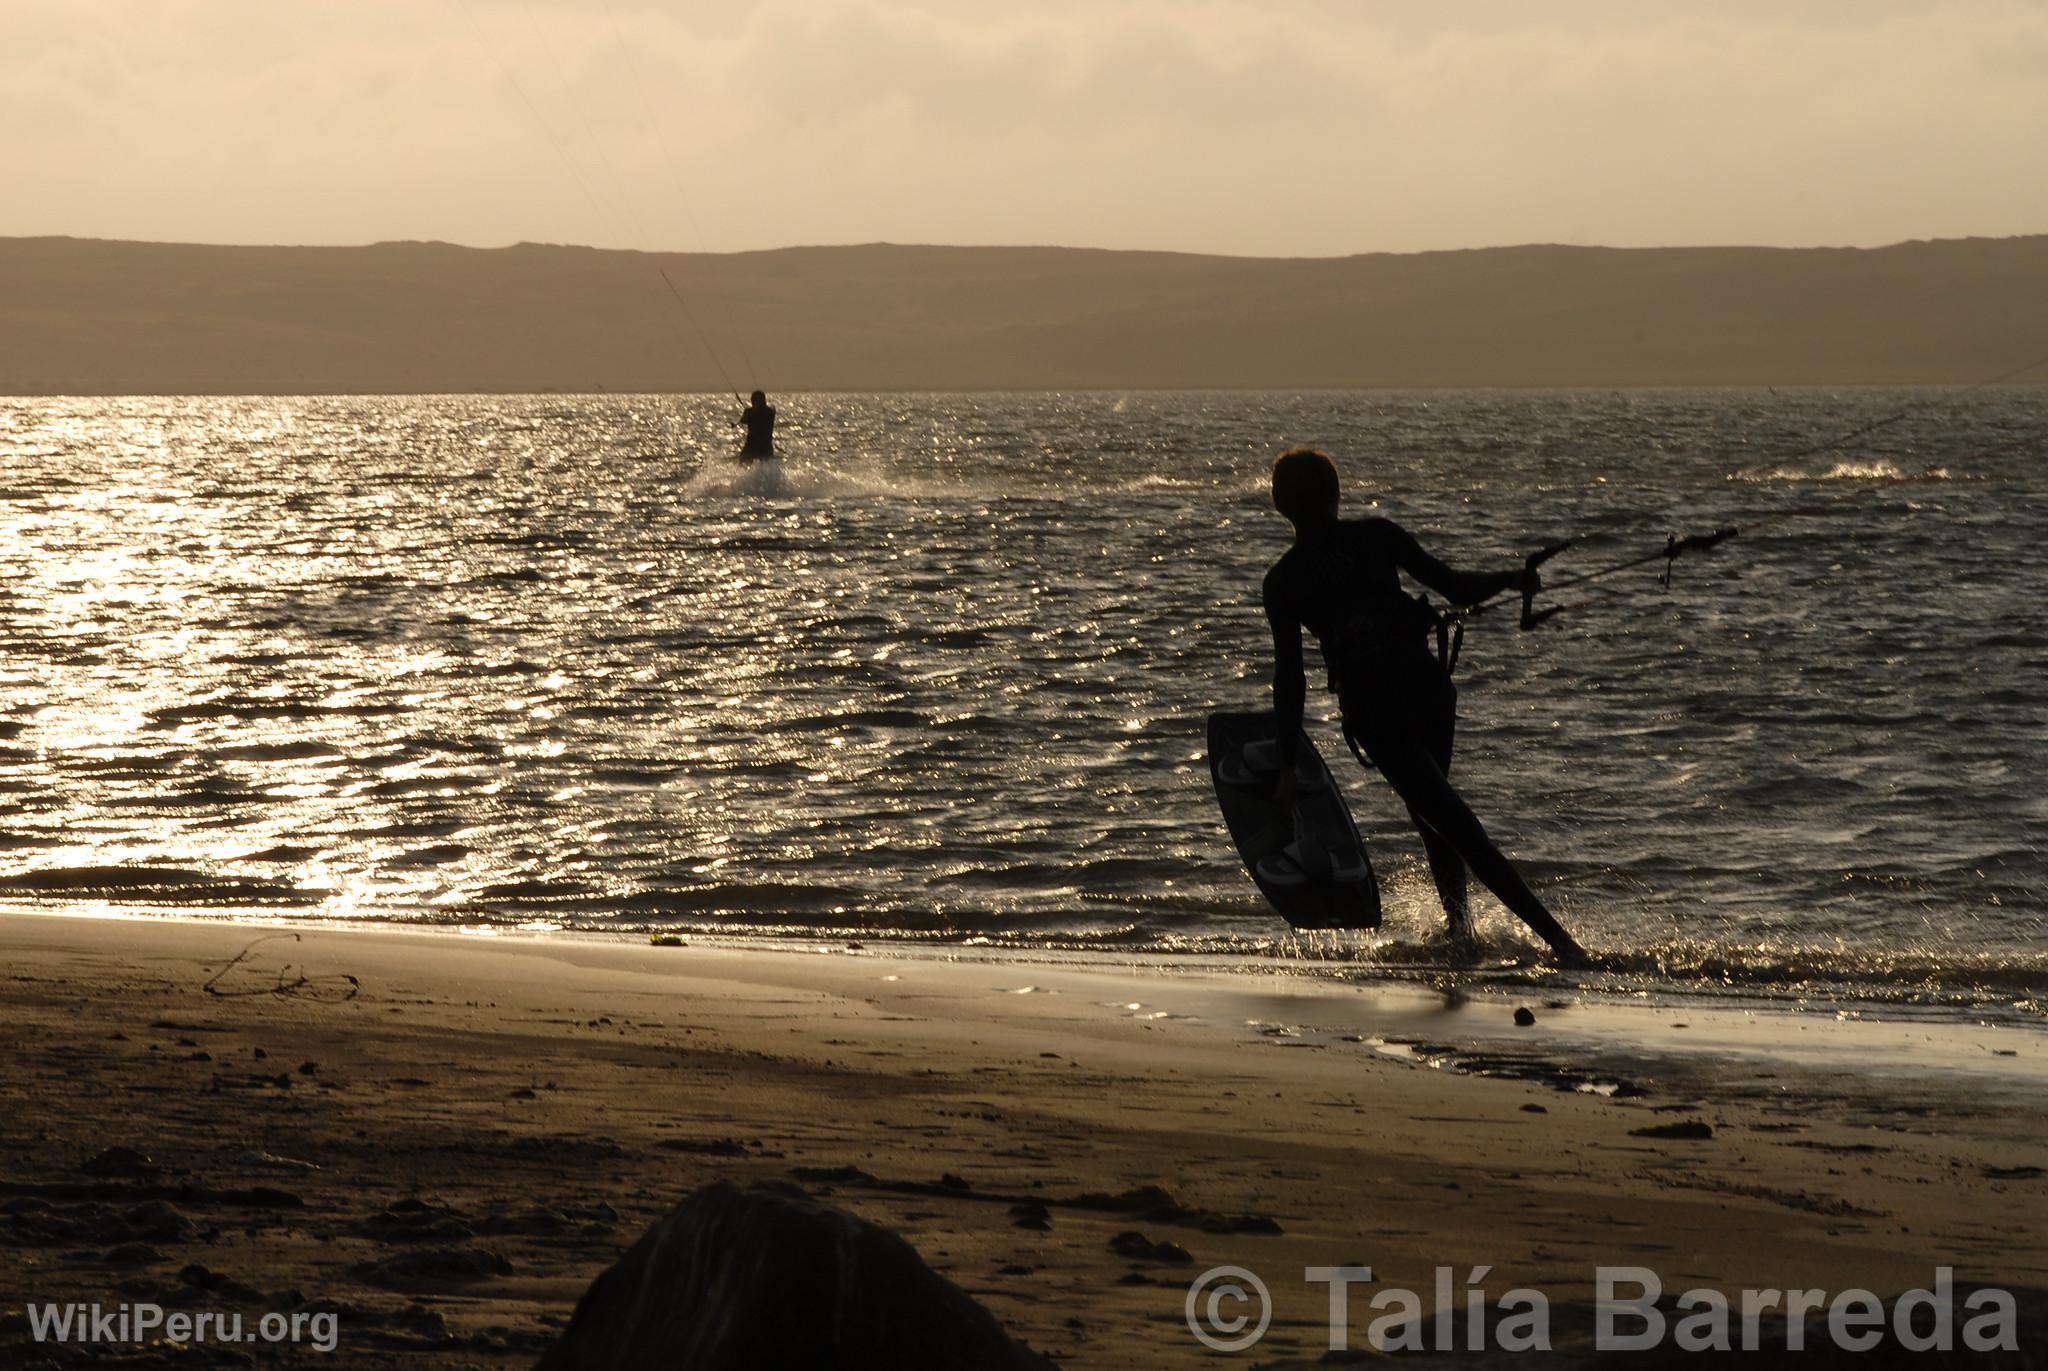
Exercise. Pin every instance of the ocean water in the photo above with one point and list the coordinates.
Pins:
(550, 662)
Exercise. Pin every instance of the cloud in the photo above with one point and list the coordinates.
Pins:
(1318, 126)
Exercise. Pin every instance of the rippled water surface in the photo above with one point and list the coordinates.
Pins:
(543, 659)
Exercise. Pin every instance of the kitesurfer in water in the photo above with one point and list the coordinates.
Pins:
(1341, 580)
(758, 418)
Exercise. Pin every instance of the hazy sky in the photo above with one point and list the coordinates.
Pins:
(1276, 127)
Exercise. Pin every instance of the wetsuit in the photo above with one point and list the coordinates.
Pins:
(760, 422)
(1341, 581)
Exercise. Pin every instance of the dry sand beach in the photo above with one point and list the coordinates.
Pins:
(441, 1138)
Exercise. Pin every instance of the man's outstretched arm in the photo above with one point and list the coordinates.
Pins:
(1459, 587)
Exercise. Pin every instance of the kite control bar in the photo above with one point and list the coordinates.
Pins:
(1674, 545)
(1692, 542)
(1532, 585)
(1533, 617)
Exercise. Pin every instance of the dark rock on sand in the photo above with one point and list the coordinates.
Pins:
(733, 1280)
(1525, 1017)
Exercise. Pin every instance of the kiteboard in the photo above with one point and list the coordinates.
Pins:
(1311, 864)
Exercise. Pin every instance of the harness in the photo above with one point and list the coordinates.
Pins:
(1366, 636)
(1450, 637)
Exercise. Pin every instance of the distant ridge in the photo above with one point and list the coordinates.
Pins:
(84, 316)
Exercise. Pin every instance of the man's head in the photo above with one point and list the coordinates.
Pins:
(1305, 486)
(760, 399)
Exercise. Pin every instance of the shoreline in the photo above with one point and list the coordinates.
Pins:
(541, 1099)
(1501, 972)
(1455, 1016)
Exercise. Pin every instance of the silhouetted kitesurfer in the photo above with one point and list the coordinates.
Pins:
(758, 418)
(1341, 580)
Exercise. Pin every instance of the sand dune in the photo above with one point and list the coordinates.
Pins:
(93, 317)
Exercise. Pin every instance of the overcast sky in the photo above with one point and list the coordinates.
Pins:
(1279, 127)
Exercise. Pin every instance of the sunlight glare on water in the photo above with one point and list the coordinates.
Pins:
(504, 659)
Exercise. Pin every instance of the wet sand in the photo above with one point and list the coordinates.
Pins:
(444, 1150)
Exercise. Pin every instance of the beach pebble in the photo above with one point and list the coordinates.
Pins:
(214, 1282)
(275, 1162)
(1525, 1017)
(1691, 1129)
(436, 1266)
(157, 1221)
(709, 1147)
(422, 1322)
(260, 1197)
(832, 1175)
(120, 1161)
(412, 1220)
(133, 1254)
(1032, 1215)
(1137, 1246)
